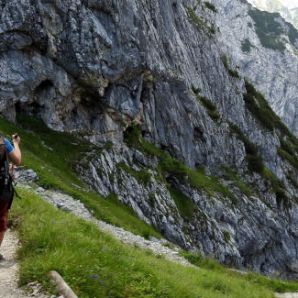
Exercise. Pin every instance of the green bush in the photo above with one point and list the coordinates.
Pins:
(258, 106)
(260, 109)
(227, 236)
(277, 187)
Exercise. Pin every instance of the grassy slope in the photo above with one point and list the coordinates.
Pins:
(54, 169)
(96, 265)
(93, 263)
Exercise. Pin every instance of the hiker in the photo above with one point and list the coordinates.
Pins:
(10, 155)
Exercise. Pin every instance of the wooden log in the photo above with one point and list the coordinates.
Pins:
(61, 286)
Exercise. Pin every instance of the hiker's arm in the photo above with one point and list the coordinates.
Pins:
(15, 156)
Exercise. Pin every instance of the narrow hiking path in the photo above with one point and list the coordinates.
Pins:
(9, 268)
(9, 271)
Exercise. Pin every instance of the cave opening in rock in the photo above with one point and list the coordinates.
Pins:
(34, 106)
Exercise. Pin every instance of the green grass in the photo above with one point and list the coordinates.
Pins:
(260, 109)
(288, 151)
(96, 265)
(254, 160)
(238, 182)
(198, 22)
(55, 170)
(258, 106)
(210, 6)
(232, 72)
(275, 285)
(277, 187)
(142, 176)
(209, 106)
(184, 204)
(268, 29)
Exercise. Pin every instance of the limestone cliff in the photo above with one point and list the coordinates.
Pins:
(264, 47)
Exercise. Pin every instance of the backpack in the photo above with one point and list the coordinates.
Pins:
(6, 187)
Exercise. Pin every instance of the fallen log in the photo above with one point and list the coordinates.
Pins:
(61, 286)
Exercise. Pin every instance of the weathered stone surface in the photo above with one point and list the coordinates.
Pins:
(273, 71)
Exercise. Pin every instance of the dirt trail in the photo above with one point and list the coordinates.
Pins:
(9, 268)
(9, 271)
(287, 295)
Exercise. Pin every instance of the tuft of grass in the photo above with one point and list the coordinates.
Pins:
(197, 259)
(260, 109)
(53, 156)
(238, 182)
(232, 72)
(288, 151)
(96, 265)
(227, 236)
(209, 106)
(198, 22)
(275, 285)
(184, 204)
(210, 6)
(142, 176)
(277, 187)
(254, 160)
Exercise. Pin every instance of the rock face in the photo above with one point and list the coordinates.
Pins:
(264, 48)
(288, 10)
(156, 75)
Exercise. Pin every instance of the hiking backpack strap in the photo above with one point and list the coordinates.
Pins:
(6, 187)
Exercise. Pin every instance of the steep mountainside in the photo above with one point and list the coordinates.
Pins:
(264, 48)
(197, 152)
(288, 13)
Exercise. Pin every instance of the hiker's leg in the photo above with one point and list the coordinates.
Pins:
(1, 237)
(3, 223)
